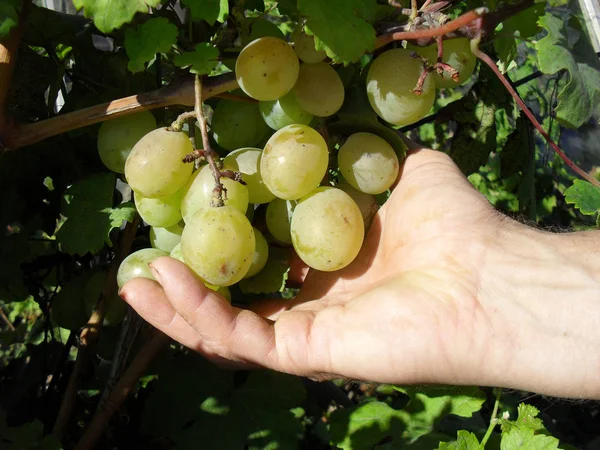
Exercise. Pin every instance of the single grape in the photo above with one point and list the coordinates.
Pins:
(262, 28)
(283, 112)
(366, 203)
(136, 265)
(261, 254)
(176, 252)
(67, 309)
(155, 166)
(368, 163)
(304, 45)
(294, 161)
(117, 137)
(160, 212)
(456, 53)
(247, 161)
(319, 89)
(218, 244)
(267, 68)
(200, 193)
(327, 229)
(279, 218)
(390, 84)
(116, 308)
(238, 124)
(165, 239)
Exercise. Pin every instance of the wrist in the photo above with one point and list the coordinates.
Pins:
(544, 296)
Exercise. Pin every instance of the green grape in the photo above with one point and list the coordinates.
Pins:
(261, 254)
(304, 45)
(200, 193)
(117, 137)
(136, 265)
(319, 89)
(368, 163)
(327, 229)
(218, 244)
(457, 54)
(237, 124)
(116, 308)
(155, 166)
(283, 112)
(165, 239)
(279, 217)
(294, 161)
(176, 252)
(366, 203)
(250, 212)
(67, 309)
(390, 84)
(267, 68)
(247, 161)
(160, 212)
(263, 28)
(223, 290)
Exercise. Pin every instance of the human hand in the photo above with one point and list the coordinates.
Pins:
(443, 291)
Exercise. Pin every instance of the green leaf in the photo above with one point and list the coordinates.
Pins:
(209, 10)
(202, 60)
(585, 196)
(90, 215)
(364, 426)
(567, 47)
(220, 409)
(464, 441)
(112, 14)
(157, 35)
(527, 432)
(271, 278)
(475, 116)
(522, 25)
(350, 37)
(9, 15)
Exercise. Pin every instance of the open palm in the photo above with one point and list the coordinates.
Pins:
(411, 298)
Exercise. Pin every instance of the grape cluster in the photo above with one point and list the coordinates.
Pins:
(282, 159)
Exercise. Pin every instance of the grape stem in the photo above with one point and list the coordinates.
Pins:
(492, 65)
(5, 319)
(91, 332)
(493, 419)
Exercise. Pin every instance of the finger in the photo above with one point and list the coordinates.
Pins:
(149, 300)
(232, 333)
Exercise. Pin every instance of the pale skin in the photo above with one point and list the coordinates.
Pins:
(445, 290)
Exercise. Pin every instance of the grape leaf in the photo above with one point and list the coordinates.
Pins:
(209, 10)
(271, 278)
(527, 432)
(351, 37)
(522, 25)
(464, 441)
(567, 47)
(202, 60)
(90, 215)
(157, 35)
(585, 196)
(9, 15)
(362, 427)
(111, 14)
(219, 410)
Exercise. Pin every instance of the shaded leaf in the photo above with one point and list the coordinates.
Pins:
(585, 196)
(9, 15)
(218, 410)
(112, 14)
(567, 47)
(351, 37)
(157, 35)
(209, 10)
(201, 61)
(271, 278)
(464, 441)
(90, 215)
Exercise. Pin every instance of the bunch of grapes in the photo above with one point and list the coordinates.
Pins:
(284, 162)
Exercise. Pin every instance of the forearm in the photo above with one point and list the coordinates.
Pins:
(545, 296)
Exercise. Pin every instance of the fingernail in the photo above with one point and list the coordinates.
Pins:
(155, 273)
